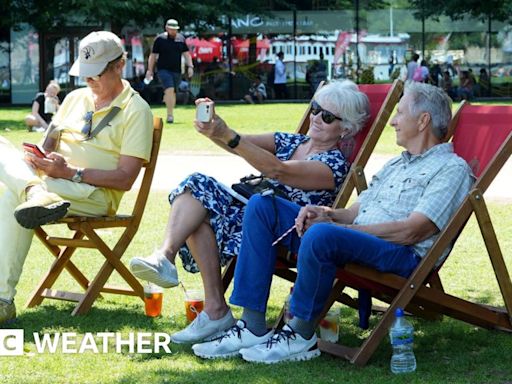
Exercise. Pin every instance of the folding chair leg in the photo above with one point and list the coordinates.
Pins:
(50, 278)
(228, 273)
(114, 258)
(112, 262)
(56, 251)
(493, 248)
(92, 293)
(369, 346)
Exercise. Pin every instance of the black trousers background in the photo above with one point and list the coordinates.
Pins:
(281, 91)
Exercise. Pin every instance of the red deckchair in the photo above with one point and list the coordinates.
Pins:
(483, 137)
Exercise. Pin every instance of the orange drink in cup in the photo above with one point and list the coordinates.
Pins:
(194, 303)
(153, 298)
(329, 326)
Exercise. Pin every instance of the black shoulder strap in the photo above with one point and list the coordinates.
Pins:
(103, 123)
(107, 119)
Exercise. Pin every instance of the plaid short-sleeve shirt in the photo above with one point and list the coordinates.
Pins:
(434, 184)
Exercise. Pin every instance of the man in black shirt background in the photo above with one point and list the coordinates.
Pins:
(168, 48)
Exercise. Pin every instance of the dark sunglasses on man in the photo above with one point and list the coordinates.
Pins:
(327, 117)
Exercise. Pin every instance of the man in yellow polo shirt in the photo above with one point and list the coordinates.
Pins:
(88, 171)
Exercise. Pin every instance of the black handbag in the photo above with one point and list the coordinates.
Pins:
(249, 185)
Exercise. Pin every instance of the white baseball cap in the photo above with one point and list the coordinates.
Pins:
(172, 23)
(96, 50)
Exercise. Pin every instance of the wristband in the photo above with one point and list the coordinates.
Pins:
(233, 143)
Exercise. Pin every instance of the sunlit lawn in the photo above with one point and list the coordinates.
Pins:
(447, 352)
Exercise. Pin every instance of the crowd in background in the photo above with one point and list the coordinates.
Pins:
(211, 81)
(468, 86)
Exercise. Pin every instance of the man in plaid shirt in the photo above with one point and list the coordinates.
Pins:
(390, 228)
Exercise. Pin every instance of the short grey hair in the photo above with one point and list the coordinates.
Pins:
(350, 103)
(432, 100)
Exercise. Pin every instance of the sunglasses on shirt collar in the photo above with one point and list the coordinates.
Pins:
(327, 117)
(86, 130)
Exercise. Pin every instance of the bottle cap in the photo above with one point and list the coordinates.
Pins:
(399, 312)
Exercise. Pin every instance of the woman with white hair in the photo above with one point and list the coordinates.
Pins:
(205, 223)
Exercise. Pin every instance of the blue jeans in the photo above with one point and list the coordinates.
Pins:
(322, 249)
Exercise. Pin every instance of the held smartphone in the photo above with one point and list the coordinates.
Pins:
(34, 149)
(204, 112)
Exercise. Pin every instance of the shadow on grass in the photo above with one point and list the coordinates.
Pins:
(13, 125)
(183, 368)
(57, 318)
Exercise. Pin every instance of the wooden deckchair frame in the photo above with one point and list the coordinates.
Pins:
(286, 265)
(85, 235)
(423, 289)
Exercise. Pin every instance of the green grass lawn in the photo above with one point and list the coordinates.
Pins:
(447, 352)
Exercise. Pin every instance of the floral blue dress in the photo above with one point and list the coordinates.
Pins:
(226, 212)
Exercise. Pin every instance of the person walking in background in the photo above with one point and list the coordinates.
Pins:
(436, 73)
(465, 90)
(484, 83)
(425, 72)
(316, 73)
(44, 106)
(391, 62)
(168, 48)
(280, 78)
(446, 84)
(411, 66)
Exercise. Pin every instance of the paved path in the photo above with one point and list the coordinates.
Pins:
(171, 169)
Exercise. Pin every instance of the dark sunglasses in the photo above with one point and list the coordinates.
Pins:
(86, 130)
(109, 65)
(98, 77)
(327, 117)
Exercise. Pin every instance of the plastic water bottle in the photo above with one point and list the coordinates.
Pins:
(401, 335)
(287, 314)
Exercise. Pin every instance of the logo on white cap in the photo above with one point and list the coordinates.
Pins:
(88, 52)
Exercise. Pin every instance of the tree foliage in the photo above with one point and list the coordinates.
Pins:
(306, 5)
(500, 10)
(51, 15)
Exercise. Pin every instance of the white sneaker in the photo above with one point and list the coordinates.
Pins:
(156, 269)
(230, 342)
(202, 328)
(285, 345)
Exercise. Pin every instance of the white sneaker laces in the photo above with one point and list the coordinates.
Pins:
(235, 330)
(282, 334)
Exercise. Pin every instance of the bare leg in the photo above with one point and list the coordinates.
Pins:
(203, 247)
(188, 221)
(170, 100)
(31, 121)
(186, 216)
